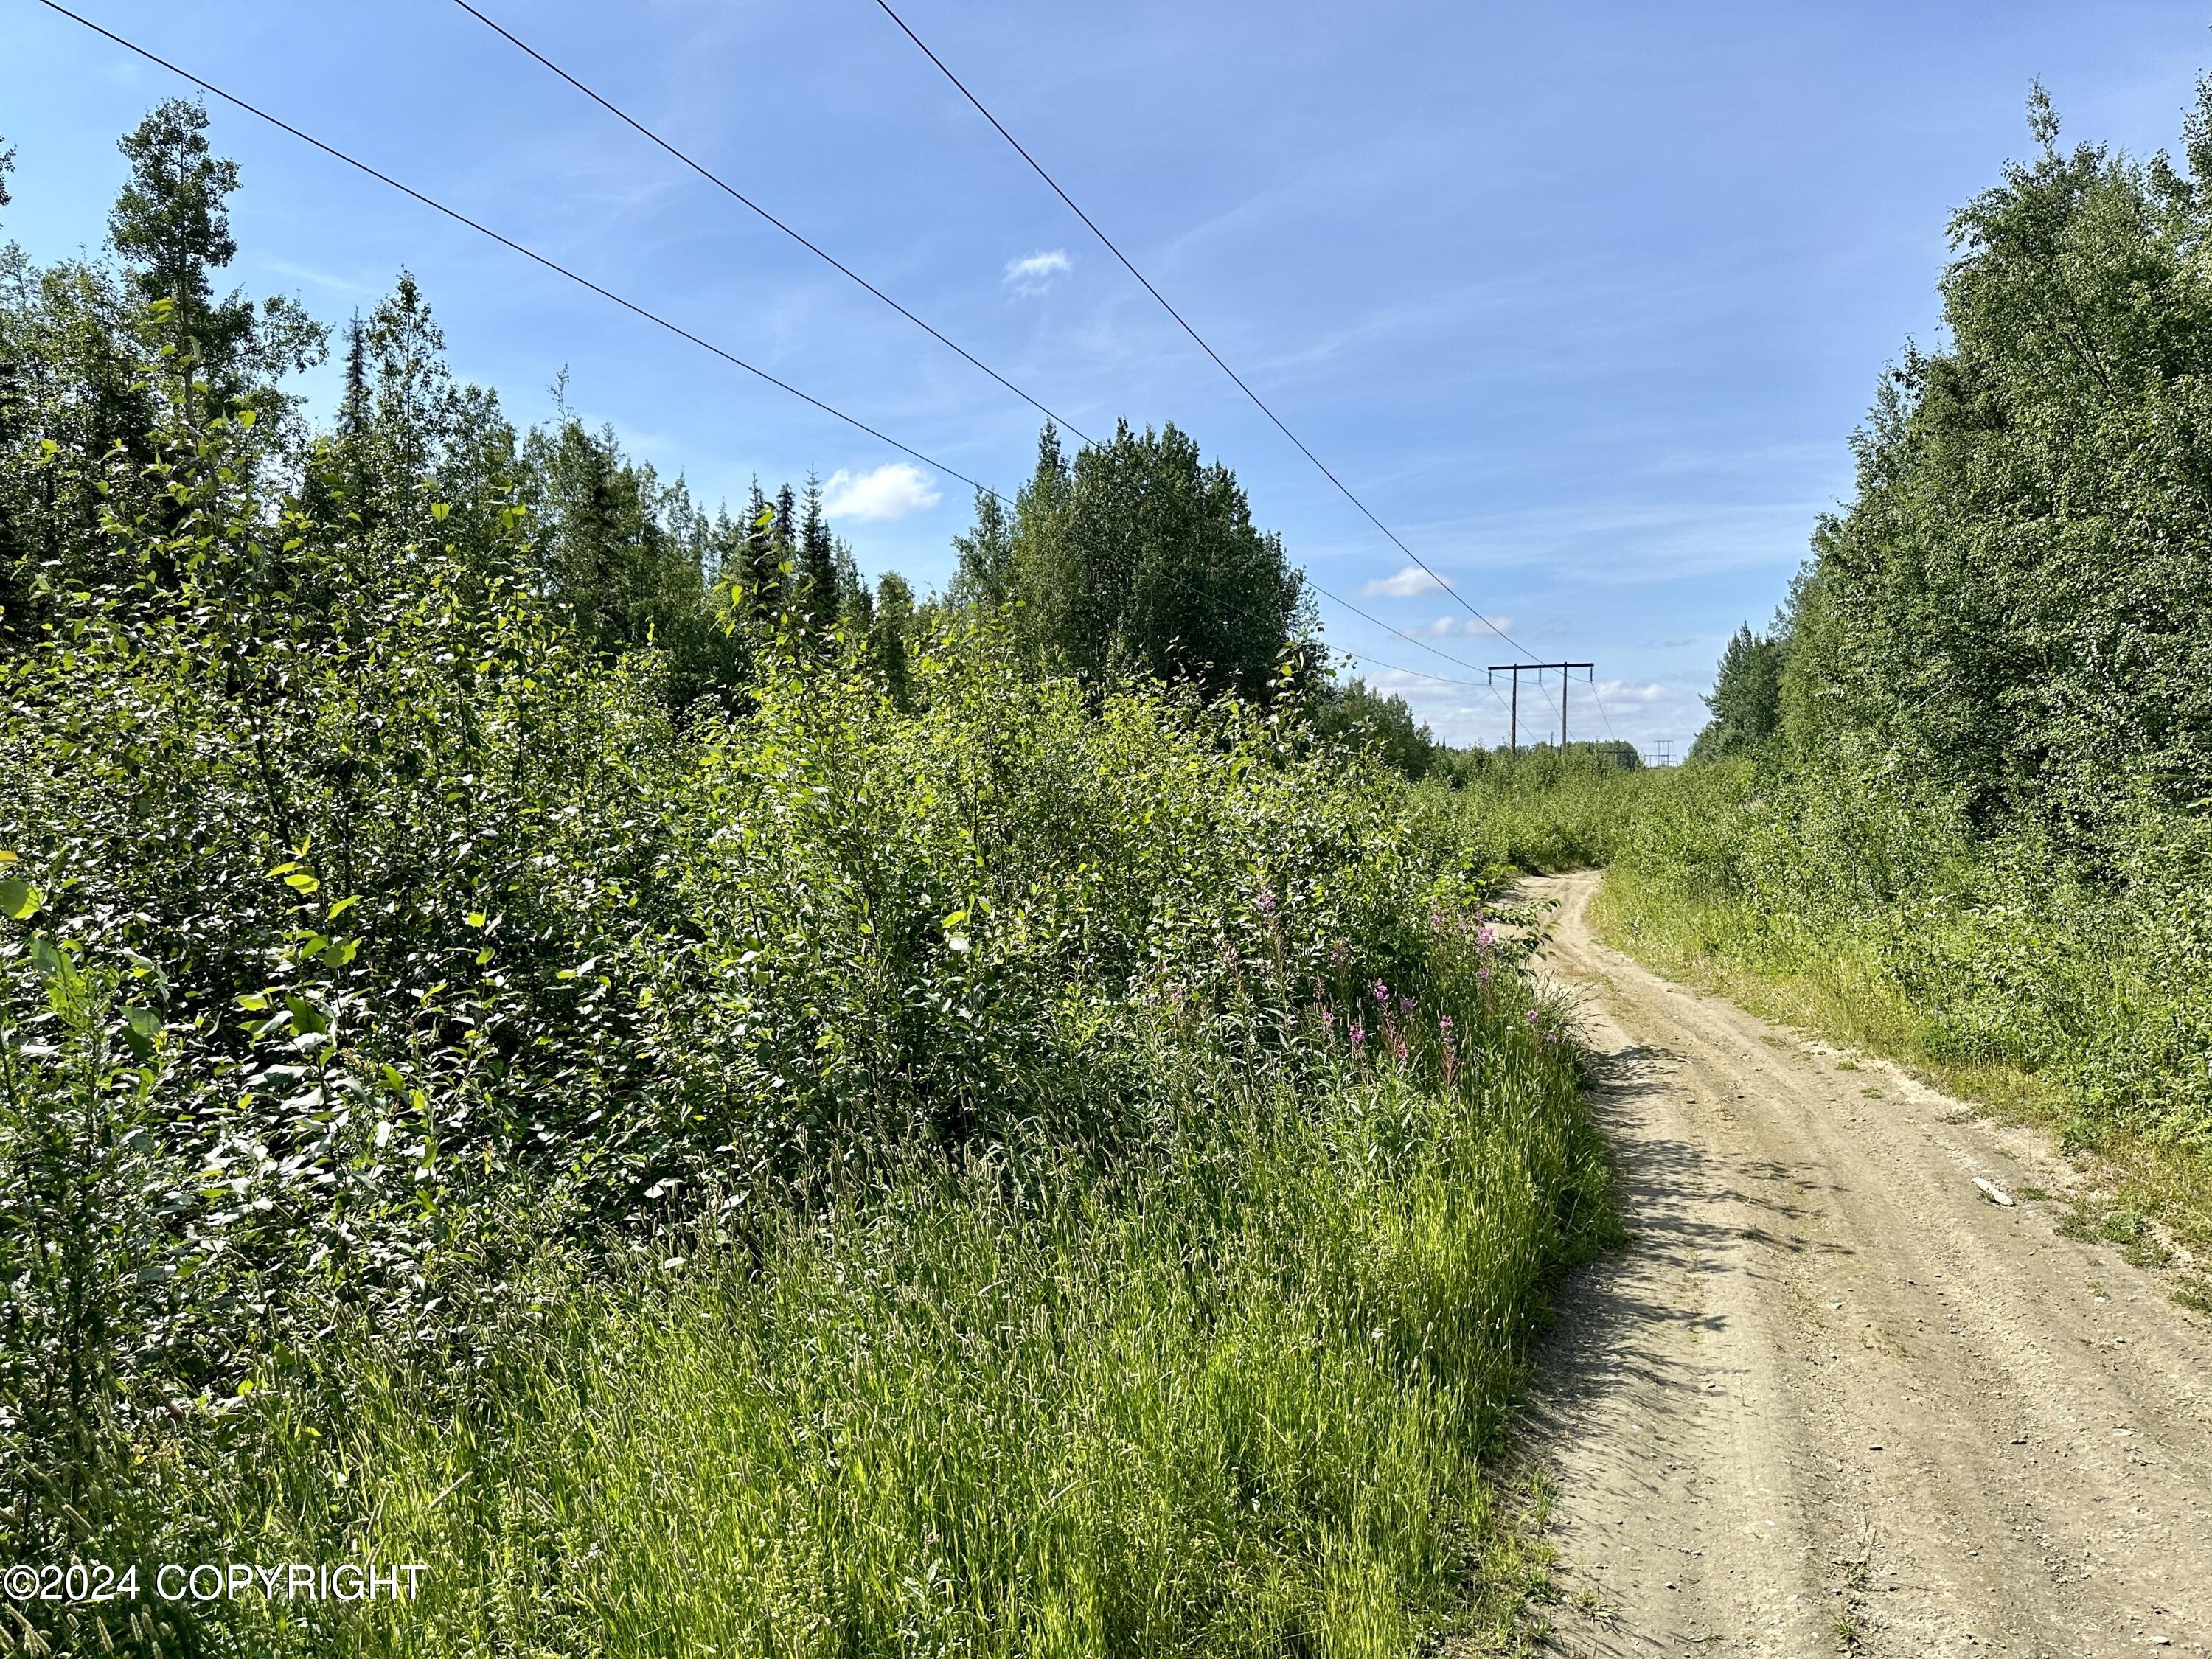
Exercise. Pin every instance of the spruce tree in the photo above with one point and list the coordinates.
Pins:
(353, 407)
(887, 649)
(817, 563)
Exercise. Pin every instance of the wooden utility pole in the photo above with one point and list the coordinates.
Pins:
(1513, 715)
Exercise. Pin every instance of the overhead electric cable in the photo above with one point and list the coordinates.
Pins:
(1146, 283)
(1599, 702)
(636, 309)
(530, 254)
(739, 197)
(831, 259)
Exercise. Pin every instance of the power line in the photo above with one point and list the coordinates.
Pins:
(653, 317)
(1129, 265)
(530, 254)
(738, 195)
(731, 191)
(1602, 715)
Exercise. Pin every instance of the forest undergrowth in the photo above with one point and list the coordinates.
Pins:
(1952, 803)
(994, 1164)
(1991, 967)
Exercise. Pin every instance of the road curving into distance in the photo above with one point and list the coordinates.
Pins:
(1834, 1398)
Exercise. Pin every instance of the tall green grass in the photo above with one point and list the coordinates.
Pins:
(2072, 987)
(991, 1165)
(1544, 813)
(1232, 1397)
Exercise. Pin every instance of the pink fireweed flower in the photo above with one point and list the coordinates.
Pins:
(1532, 1016)
(1486, 938)
(1381, 993)
(1405, 1004)
(1358, 1034)
(1338, 955)
(1327, 1022)
(1264, 901)
(1482, 975)
(1398, 1050)
(1444, 1024)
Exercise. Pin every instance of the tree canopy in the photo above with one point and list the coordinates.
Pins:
(1138, 555)
(2016, 608)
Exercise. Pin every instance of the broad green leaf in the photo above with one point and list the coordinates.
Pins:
(18, 898)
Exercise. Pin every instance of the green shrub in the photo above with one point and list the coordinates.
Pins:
(1103, 1165)
(1995, 951)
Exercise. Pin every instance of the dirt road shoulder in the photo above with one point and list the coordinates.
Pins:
(1836, 1399)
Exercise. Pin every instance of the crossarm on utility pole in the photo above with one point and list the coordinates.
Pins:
(1513, 728)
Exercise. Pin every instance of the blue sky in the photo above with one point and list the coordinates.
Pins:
(1584, 302)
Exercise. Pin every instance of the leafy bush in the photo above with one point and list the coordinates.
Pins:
(1976, 949)
(1044, 1085)
(1981, 825)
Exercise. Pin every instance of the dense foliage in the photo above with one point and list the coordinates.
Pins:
(560, 1038)
(1137, 556)
(1979, 743)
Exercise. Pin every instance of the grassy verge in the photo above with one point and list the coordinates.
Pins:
(1236, 1396)
(980, 1164)
(1831, 981)
(1538, 814)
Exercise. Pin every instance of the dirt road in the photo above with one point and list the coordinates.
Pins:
(1835, 1400)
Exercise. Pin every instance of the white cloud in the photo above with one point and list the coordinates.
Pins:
(1404, 586)
(892, 491)
(1446, 626)
(1033, 273)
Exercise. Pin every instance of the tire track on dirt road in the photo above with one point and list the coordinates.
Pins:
(1832, 1400)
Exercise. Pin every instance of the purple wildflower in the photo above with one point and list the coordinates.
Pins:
(1405, 1004)
(1358, 1034)
(1444, 1024)
(1327, 1022)
(1485, 938)
(1264, 901)
(1381, 993)
(1482, 975)
(1532, 1016)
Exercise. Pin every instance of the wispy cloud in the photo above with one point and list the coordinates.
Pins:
(1447, 627)
(892, 491)
(1405, 584)
(344, 285)
(1033, 273)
